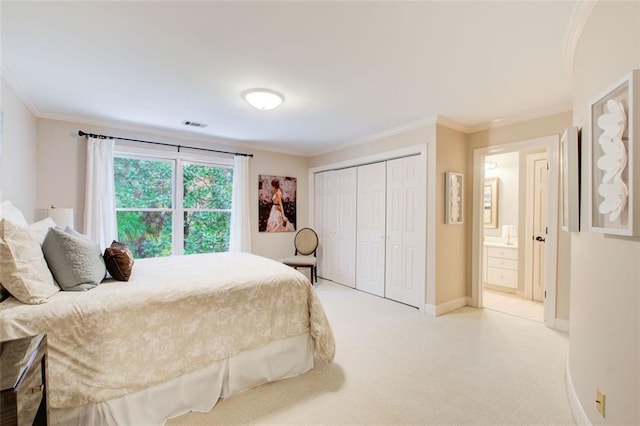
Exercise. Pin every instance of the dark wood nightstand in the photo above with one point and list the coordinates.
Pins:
(23, 381)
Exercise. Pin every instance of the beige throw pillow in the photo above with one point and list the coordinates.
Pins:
(23, 270)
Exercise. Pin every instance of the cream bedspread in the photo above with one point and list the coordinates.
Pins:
(175, 315)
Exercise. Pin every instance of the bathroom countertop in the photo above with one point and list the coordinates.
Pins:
(499, 244)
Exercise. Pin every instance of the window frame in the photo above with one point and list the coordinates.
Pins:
(177, 159)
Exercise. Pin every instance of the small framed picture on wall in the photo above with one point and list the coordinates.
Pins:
(453, 198)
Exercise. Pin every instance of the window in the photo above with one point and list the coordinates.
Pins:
(172, 206)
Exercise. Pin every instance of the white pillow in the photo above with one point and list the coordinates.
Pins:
(23, 270)
(11, 212)
(39, 229)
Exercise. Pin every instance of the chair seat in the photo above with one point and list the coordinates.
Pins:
(299, 260)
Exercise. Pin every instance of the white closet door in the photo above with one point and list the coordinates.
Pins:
(371, 213)
(319, 206)
(345, 225)
(328, 262)
(394, 271)
(405, 272)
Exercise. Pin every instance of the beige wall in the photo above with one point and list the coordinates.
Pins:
(17, 153)
(61, 157)
(452, 257)
(604, 339)
(554, 124)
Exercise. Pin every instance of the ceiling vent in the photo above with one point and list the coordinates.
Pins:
(193, 124)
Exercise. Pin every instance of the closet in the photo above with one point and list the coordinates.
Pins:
(335, 214)
(370, 220)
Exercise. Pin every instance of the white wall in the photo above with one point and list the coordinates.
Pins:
(17, 153)
(604, 339)
(61, 158)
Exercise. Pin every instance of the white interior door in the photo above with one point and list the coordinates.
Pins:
(405, 270)
(539, 225)
(345, 225)
(371, 213)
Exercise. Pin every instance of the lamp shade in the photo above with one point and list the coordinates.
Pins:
(61, 216)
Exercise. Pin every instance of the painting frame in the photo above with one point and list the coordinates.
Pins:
(613, 177)
(570, 160)
(490, 203)
(454, 198)
(274, 217)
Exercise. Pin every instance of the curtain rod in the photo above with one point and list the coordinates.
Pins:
(93, 135)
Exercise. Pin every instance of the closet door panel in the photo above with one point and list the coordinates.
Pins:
(405, 230)
(319, 206)
(345, 231)
(370, 235)
(329, 223)
(394, 276)
(414, 235)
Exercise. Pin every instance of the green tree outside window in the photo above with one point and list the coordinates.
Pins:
(146, 210)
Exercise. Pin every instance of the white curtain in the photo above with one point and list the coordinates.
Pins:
(240, 238)
(100, 199)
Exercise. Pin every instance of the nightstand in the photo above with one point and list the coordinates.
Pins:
(23, 381)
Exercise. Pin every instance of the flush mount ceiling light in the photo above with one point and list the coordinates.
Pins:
(263, 99)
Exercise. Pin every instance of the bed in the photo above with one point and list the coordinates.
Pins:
(183, 332)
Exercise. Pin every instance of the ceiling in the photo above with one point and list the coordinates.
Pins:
(348, 70)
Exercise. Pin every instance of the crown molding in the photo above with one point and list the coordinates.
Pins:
(452, 124)
(19, 90)
(515, 119)
(579, 17)
(174, 134)
(429, 121)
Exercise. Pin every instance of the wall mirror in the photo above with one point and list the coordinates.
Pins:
(490, 203)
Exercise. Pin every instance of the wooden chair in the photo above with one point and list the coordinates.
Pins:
(306, 244)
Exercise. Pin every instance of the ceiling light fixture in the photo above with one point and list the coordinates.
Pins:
(263, 99)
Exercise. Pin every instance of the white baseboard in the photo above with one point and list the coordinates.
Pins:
(578, 412)
(562, 325)
(429, 310)
(452, 305)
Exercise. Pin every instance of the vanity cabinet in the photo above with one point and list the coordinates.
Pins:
(501, 267)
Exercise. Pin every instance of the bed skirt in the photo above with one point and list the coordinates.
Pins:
(199, 390)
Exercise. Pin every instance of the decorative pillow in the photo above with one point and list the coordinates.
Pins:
(23, 270)
(39, 229)
(11, 212)
(119, 261)
(70, 230)
(76, 262)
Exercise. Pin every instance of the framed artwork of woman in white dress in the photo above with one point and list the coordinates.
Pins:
(277, 203)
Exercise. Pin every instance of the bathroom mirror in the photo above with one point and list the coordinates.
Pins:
(490, 203)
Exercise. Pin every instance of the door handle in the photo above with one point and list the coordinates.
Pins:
(539, 238)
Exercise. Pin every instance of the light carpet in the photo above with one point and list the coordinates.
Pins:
(396, 365)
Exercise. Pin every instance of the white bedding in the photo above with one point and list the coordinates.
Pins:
(175, 315)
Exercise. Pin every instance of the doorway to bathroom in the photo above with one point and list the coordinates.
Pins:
(515, 228)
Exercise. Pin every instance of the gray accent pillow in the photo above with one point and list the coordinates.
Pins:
(75, 261)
